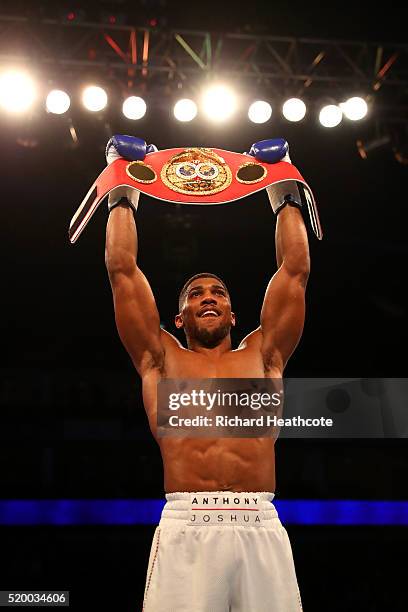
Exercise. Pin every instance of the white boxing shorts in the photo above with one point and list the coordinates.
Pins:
(221, 552)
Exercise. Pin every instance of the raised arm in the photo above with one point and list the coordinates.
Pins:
(136, 314)
(283, 310)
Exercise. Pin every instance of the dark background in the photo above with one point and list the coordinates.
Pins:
(72, 424)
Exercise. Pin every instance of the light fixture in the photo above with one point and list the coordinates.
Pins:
(354, 108)
(330, 116)
(185, 110)
(17, 91)
(134, 107)
(57, 102)
(219, 103)
(294, 109)
(94, 98)
(260, 111)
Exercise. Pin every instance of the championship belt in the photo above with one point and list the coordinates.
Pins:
(198, 176)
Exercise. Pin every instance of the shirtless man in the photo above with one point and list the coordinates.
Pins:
(231, 564)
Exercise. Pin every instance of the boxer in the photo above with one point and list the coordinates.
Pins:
(220, 545)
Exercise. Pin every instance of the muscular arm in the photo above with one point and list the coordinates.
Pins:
(136, 314)
(283, 310)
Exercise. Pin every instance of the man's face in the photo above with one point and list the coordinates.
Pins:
(206, 313)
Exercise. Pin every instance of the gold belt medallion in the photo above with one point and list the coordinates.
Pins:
(197, 171)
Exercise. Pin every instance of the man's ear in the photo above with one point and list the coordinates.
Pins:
(178, 320)
(233, 319)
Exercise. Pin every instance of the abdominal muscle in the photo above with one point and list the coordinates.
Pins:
(224, 464)
(212, 464)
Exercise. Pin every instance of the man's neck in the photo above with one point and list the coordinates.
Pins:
(223, 347)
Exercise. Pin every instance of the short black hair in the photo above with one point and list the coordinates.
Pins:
(193, 278)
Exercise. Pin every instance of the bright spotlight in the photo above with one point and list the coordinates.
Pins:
(185, 110)
(219, 103)
(294, 109)
(134, 107)
(330, 116)
(355, 108)
(58, 102)
(94, 98)
(17, 91)
(260, 111)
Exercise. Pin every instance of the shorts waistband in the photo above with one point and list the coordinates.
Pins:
(178, 505)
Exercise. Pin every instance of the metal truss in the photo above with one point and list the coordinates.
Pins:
(155, 58)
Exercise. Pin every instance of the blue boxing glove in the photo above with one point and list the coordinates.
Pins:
(271, 150)
(131, 148)
(280, 194)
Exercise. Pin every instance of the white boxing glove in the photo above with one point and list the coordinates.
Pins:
(274, 150)
(132, 149)
(285, 192)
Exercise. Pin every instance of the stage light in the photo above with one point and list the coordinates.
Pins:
(354, 108)
(58, 102)
(260, 111)
(134, 107)
(219, 103)
(185, 110)
(94, 98)
(330, 116)
(17, 91)
(294, 109)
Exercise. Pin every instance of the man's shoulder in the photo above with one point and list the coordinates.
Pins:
(169, 341)
(251, 345)
(252, 340)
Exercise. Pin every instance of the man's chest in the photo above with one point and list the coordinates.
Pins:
(188, 365)
(235, 364)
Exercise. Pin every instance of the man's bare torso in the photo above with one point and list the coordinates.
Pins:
(205, 312)
(222, 464)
